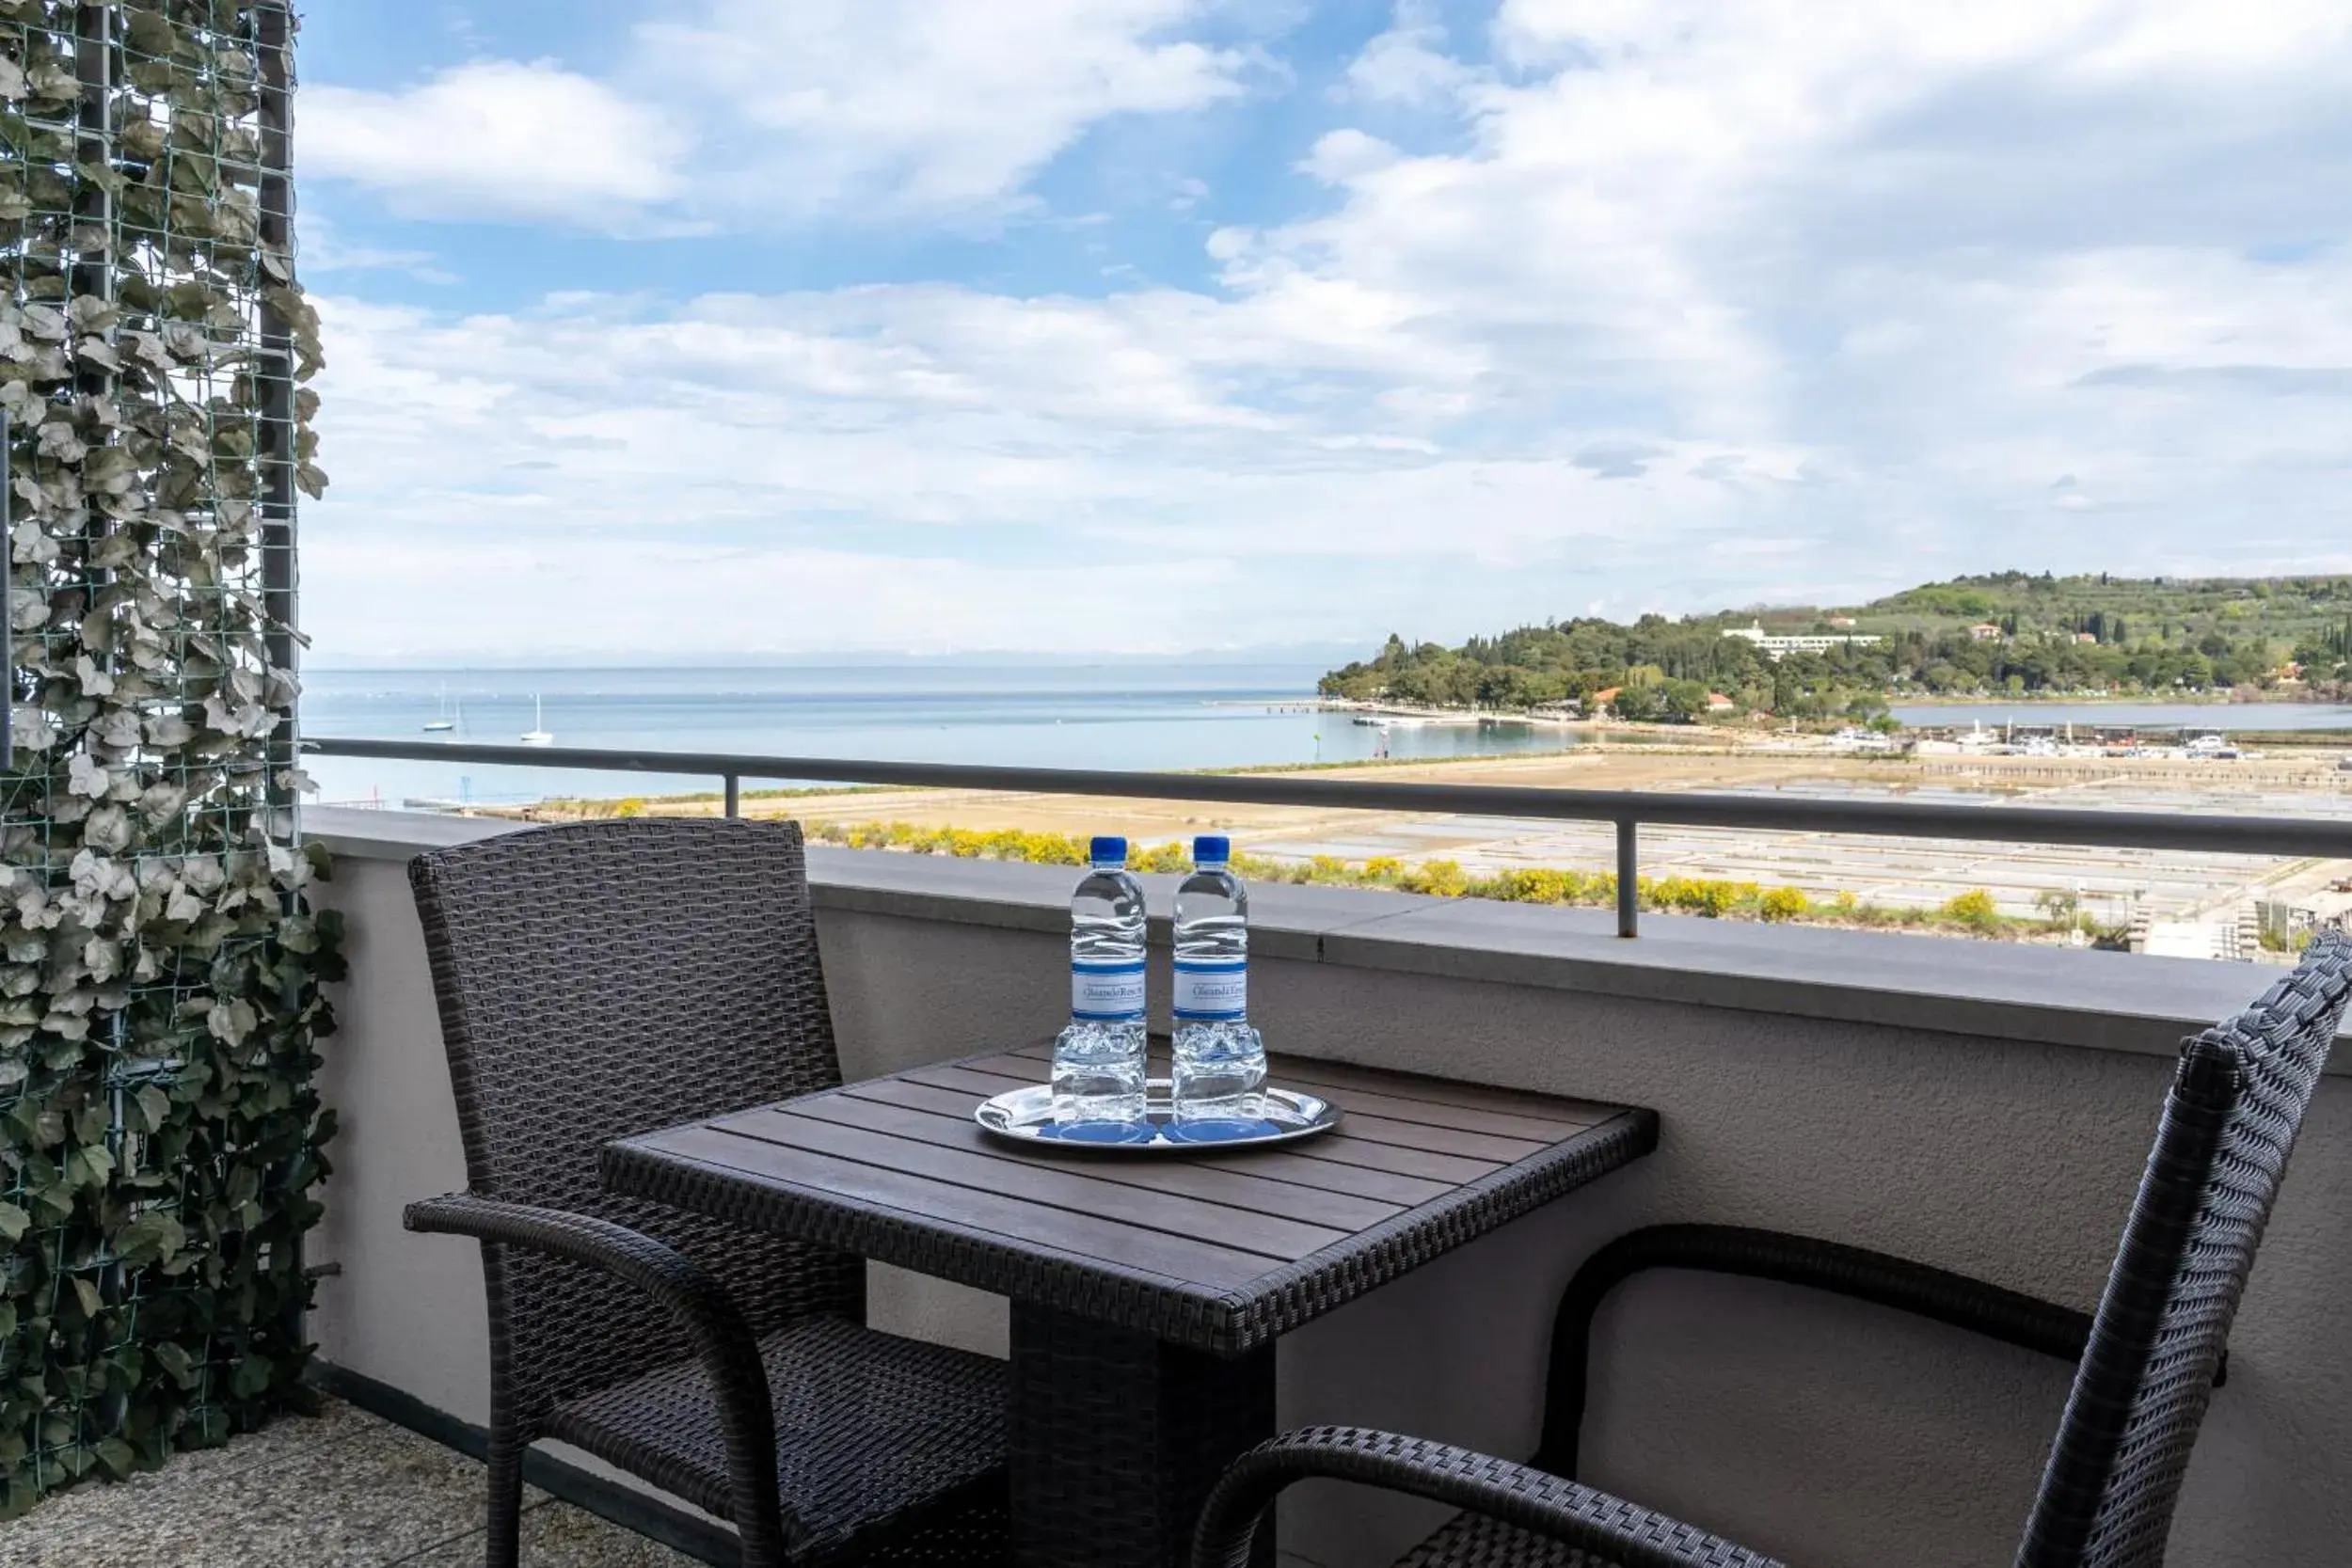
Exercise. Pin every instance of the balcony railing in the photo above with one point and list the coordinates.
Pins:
(1627, 809)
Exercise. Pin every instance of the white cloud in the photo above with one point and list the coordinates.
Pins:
(1946, 253)
(747, 114)
(563, 473)
(527, 142)
(1692, 304)
(325, 251)
(1407, 64)
(922, 107)
(1344, 156)
(621, 593)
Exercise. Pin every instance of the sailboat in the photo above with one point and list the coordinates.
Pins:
(441, 722)
(538, 735)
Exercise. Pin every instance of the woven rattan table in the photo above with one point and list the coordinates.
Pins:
(1146, 1292)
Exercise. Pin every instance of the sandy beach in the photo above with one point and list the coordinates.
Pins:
(2112, 884)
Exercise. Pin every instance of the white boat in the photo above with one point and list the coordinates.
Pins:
(538, 735)
(441, 722)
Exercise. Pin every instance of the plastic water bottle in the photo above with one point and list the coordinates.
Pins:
(1099, 1060)
(1220, 1061)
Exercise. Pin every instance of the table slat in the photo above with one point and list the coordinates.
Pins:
(1205, 1180)
(1286, 1163)
(1398, 1103)
(1344, 1076)
(971, 1080)
(1029, 1063)
(1021, 1223)
(1341, 1145)
(1439, 1140)
(1407, 1131)
(1339, 1148)
(1069, 1187)
(1221, 1252)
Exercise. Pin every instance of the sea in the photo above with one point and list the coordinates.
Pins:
(1164, 715)
(1190, 714)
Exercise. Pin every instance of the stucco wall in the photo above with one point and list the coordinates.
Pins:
(1829, 1433)
(406, 1308)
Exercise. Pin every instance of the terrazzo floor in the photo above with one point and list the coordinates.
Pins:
(339, 1490)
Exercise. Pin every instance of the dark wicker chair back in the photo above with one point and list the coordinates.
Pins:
(2146, 1363)
(611, 978)
(2114, 1474)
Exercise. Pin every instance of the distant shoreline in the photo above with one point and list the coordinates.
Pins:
(2202, 699)
(1437, 715)
(1473, 715)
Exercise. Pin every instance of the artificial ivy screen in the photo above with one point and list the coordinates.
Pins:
(159, 973)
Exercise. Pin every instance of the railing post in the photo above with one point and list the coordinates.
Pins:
(735, 795)
(1628, 878)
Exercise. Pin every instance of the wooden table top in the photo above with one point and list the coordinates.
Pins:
(1221, 1252)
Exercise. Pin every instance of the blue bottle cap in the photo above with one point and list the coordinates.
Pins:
(1107, 849)
(1212, 850)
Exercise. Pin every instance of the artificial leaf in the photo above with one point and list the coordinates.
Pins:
(175, 1360)
(152, 910)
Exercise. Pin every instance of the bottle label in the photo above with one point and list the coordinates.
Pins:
(1213, 991)
(1106, 992)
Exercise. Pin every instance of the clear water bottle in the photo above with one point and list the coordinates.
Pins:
(1220, 1061)
(1099, 1060)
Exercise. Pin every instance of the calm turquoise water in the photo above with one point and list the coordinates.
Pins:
(1143, 716)
(1159, 716)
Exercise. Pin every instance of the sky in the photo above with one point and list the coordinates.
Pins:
(727, 329)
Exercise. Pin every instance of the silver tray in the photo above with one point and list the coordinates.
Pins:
(1026, 1117)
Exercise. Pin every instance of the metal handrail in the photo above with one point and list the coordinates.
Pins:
(1627, 808)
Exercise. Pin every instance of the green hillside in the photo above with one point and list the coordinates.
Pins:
(2007, 634)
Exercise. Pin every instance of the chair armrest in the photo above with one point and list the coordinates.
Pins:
(669, 1276)
(2008, 1316)
(721, 1340)
(1616, 1530)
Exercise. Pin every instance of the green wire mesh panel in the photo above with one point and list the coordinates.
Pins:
(159, 970)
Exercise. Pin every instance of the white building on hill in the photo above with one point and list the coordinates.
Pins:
(1778, 648)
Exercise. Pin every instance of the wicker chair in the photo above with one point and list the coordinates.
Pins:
(2145, 1362)
(616, 978)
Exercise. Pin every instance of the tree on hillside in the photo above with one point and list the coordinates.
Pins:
(1684, 699)
(1636, 705)
(2143, 635)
